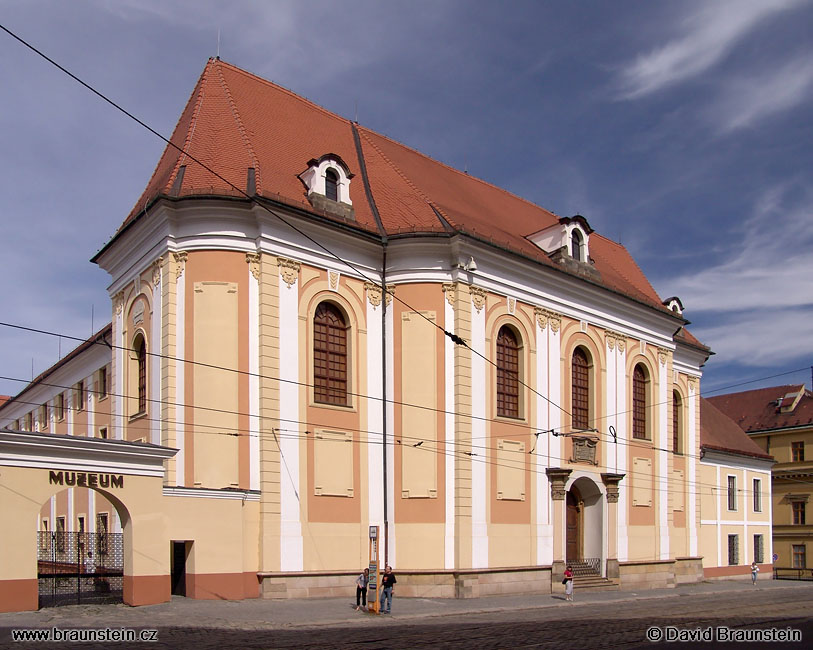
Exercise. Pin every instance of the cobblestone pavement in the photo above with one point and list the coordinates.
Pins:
(595, 620)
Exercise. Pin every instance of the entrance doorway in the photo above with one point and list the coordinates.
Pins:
(573, 526)
(179, 553)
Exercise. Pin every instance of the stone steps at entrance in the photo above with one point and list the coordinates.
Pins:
(594, 583)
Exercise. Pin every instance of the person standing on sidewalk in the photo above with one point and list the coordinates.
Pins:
(754, 571)
(361, 589)
(569, 583)
(387, 583)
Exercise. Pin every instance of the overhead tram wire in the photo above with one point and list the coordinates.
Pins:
(277, 433)
(452, 336)
(527, 430)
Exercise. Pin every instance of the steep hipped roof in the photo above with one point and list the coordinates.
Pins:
(762, 409)
(235, 121)
(720, 432)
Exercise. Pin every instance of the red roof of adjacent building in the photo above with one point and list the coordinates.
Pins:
(235, 121)
(720, 432)
(763, 409)
(4, 399)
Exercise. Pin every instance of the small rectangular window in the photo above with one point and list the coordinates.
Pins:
(101, 533)
(60, 534)
(45, 416)
(103, 433)
(797, 451)
(29, 421)
(799, 513)
(732, 492)
(79, 395)
(101, 383)
(799, 556)
(759, 549)
(733, 550)
(757, 495)
(59, 407)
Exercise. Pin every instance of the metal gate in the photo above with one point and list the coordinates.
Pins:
(74, 568)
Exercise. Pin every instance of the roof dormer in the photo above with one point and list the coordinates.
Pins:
(674, 304)
(327, 180)
(568, 242)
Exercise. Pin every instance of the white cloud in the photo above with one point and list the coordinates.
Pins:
(749, 99)
(760, 297)
(770, 265)
(761, 338)
(704, 38)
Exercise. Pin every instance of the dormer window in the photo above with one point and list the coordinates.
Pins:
(327, 180)
(673, 304)
(568, 243)
(331, 185)
(576, 244)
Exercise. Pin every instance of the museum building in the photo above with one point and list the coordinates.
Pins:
(316, 329)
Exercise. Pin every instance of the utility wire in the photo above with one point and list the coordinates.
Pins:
(524, 426)
(453, 337)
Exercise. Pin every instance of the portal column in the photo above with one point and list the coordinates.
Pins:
(558, 479)
(611, 482)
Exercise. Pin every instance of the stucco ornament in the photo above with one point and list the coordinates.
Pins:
(449, 289)
(253, 261)
(180, 258)
(663, 355)
(545, 317)
(156, 271)
(333, 280)
(478, 297)
(289, 270)
(614, 339)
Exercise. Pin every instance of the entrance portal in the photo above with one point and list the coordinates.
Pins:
(573, 526)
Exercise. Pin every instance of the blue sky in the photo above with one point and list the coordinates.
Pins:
(681, 129)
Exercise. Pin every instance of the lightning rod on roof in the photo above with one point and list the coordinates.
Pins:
(218, 43)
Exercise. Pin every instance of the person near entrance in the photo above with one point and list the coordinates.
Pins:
(754, 571)
(569, 583)
(387, 584)
(361, 589)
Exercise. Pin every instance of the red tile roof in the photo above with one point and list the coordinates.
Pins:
(235, 121)
(759, 409)
(4, 399)
(720, 432)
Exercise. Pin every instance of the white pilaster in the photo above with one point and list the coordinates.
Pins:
(620, 409)
(479, 491)
(375, 412)
(180, 377)
(253, 381)
(155, 365)
(663, 443)
(290, 513)
(541, 460)
(449, 488)
(691, 446)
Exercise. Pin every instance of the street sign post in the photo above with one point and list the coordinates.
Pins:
(372, 593)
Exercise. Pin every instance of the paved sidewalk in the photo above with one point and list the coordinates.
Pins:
(270, 614)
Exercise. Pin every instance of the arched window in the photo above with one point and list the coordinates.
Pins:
(141, 361)
(331, 185)
(639, 405)
(329, 355)
(580, 389)
(677, 421)
(507, 373)
(576, 244)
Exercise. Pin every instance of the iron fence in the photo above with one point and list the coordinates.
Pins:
(74, 568)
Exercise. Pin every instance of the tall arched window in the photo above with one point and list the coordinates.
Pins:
(331, 185)
(580, 389)
(677, 421)
(329, 355)
(141, 361)
(507, 373)
(576, 244)
(639, 405)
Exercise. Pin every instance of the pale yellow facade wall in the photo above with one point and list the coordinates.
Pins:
(418, 546)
